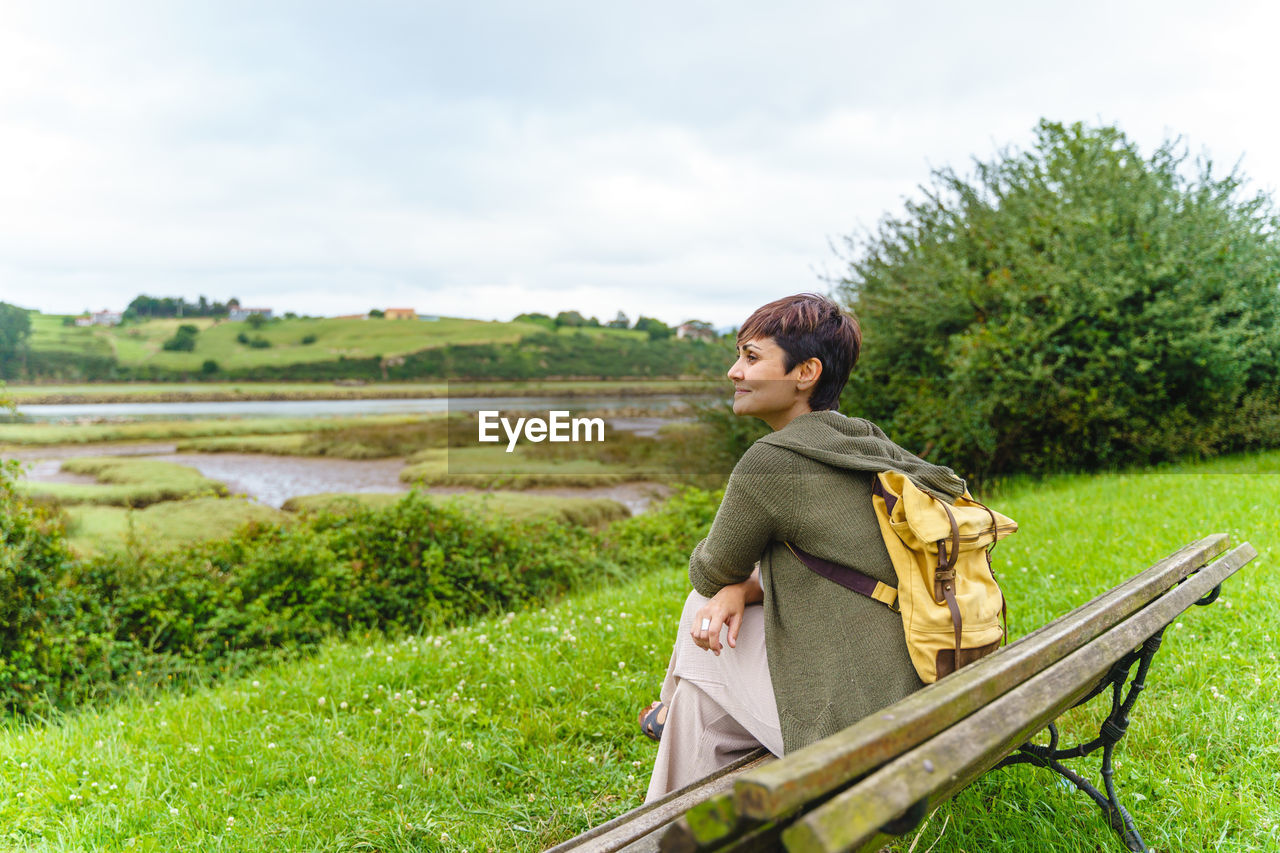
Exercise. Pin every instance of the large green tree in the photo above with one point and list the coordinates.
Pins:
(15, 326)
(1070, 306)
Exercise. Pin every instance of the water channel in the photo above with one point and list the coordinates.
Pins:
(272, 480)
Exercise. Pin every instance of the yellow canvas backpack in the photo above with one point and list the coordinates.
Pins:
(951, 604)
(947, 593)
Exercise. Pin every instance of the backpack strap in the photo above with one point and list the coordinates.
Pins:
(848, 578)
(944, 577)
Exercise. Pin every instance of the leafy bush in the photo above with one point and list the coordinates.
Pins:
(1072, 306)
(34, 657)
(73, 630)
(183, 340)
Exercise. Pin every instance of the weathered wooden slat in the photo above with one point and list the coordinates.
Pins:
(963, 752)
(704, 826)
(630, 828)
(766, 838)
(835, 761)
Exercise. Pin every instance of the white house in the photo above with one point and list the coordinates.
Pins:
(696, 330)
(238, 314)
(106, 318)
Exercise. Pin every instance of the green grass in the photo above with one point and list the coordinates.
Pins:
(136, 344)
(493, 468)
(287, 444)
(514, 505)
(144, 392)
(46, 434)
(95, 529)
(124, 481)
(359, 440)
(48, 333)
(520, 731)
(360, 338)
(123, 392)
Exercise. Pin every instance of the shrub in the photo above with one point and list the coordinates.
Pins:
(183, 340)
(1073, 306)
(77, 629)
(34, 655)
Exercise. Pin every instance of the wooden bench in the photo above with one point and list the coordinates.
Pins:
(881, 776)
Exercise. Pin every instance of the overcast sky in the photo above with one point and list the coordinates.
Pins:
(681, 160)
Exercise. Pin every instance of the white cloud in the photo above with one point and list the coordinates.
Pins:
(673, 160)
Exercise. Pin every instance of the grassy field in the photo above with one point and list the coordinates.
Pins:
(137, 344)
(143, 392)
(514, 505)
(47, 434)
(515, 733)
(124, 481)
(95, 529)
(156, 392)
(291, 341)
(493, 468)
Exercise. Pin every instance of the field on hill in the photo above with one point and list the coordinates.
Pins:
(515, 732)
(145, 392)
(330, 338)
(359, 349)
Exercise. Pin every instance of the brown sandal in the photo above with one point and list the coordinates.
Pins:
(648, 720)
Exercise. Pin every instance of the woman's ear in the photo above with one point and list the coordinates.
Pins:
(808, 373)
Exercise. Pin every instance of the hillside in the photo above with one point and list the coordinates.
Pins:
(137, 344)
(363, 348)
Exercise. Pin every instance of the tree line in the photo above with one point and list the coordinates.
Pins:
(149, 307)
(656, 329)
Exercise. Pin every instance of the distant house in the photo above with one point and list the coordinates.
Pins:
(101, 318)
(400, 314)
(239, 315)
(696, 330)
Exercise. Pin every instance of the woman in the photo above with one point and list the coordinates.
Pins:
(815, 657)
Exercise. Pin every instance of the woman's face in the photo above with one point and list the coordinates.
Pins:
(765, 389)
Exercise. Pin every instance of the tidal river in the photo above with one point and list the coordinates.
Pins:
(272, 480)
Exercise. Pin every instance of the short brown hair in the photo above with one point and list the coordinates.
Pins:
(805, 326)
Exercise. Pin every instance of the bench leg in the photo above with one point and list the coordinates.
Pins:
(1113, 728)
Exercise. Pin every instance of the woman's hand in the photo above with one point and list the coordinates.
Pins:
(726, 609)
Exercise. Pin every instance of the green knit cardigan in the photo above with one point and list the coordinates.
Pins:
(834, 655)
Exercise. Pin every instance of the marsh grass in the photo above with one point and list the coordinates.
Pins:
(44, 434)
(122, 392)
(520, 730)
(124, 481)
(95, 529)
(346, 441)
(583, 511)
(493, 468)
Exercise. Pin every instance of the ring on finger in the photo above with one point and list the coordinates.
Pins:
(706, 624)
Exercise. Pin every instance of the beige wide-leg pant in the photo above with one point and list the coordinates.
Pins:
(719, 708)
